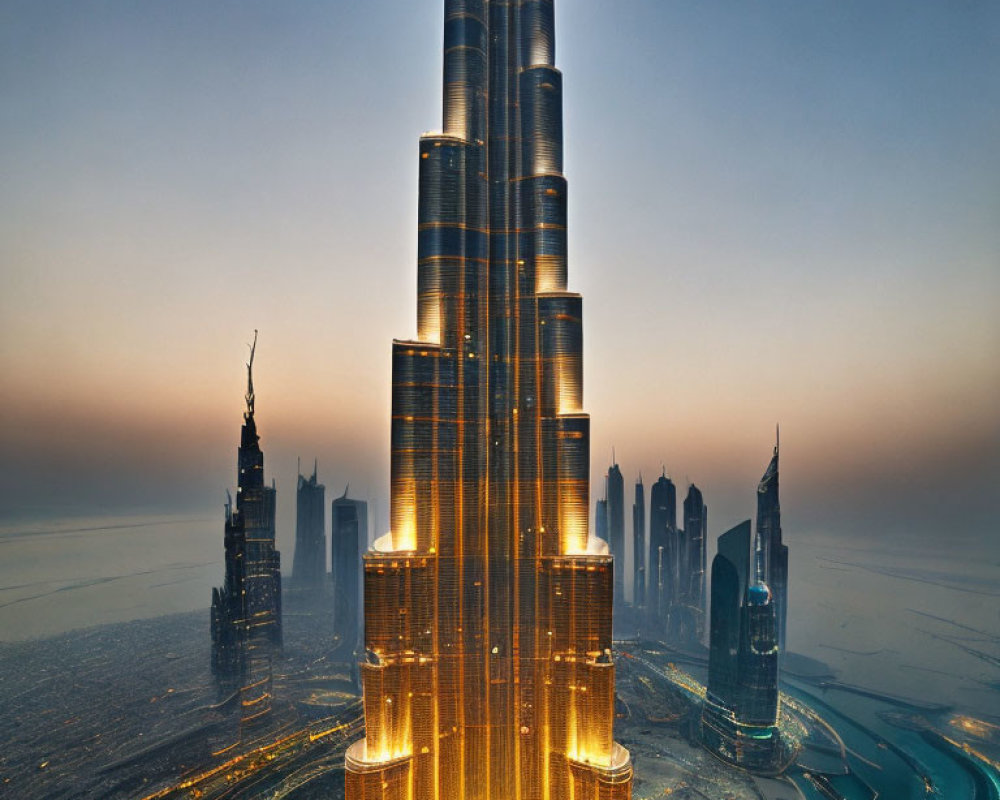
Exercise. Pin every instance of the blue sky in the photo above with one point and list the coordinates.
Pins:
(778, 212)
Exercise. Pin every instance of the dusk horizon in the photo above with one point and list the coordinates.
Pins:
(770, 232)
(826, 260)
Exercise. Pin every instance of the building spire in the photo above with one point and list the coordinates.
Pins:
(249, 395)
(777, 438)
(758, 559)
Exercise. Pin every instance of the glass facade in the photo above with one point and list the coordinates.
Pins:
(639, 545)
(348, 540)
(616, 528)
(488, 669)
(740, 714)
(775, 553)
(687, 611)
(662, 537)
(309, 564)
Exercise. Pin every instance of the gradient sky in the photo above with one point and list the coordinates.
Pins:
(779, 211)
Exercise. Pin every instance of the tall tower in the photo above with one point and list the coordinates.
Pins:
(639, 545)
(601, 519)
(740, 715)
(616, 528)
(775, 553)
(348, 540)
(662, 541)
(488, 671)
(246, 611)
(689, 615)
(309, 564)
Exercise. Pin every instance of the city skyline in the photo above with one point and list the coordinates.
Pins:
(869, 167)
(768, 216)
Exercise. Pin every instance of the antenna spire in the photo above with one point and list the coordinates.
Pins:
(249, 395)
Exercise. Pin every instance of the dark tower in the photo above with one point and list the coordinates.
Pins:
(662, 540)
(309, 565)
(639, 545)
(616, 529)
(730, 571)
(349, 539)
(740, 715)
(688, 615)
(246, 611)
(601, 519)
(775, 553)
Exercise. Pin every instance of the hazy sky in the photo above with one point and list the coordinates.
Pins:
(779, 211)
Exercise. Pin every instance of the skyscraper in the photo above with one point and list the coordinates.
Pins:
(688, 613)
(662, 540)
(616, 529)
(309, 564)
(246, 610)
(775, 553)
(488, 671)
(348, 540)
(639, 545)
(601, 519)
(740, 715)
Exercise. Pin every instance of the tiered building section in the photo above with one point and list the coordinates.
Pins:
(488, 671)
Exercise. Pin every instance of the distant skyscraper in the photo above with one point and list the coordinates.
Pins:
(601, 519)
(616, 529)
(349, 539)
(740, 715)
(246, 611)
(488, 672)
(688, 615)
(639, 545)
(309, 565)
(775, 553)
(662, 542)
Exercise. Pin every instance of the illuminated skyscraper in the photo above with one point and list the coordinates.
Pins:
(616, 528)
(775, 553)
(349, 539)
(246, 611)
(309, 564)
(639, 545)
(488, 671)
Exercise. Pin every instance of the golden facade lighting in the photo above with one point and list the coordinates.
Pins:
(488, 671)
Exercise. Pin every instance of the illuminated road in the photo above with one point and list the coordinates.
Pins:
(277, 768)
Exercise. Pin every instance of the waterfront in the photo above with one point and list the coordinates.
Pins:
(933, 635)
